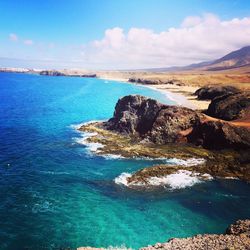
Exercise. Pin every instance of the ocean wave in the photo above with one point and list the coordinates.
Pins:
(180, 179)
(188, 162)
(112, 156)
(90, 146)
(79, 125)
(175, 161)
(54, 173)
(95, 146)
(122, 179)
(84, 136)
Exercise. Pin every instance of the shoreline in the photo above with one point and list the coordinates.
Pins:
(181, 95)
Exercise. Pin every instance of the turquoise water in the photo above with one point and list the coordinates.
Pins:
(55, 194)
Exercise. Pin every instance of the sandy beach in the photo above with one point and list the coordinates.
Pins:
(182, 95)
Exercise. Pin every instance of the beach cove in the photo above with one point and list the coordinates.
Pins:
(57, 192)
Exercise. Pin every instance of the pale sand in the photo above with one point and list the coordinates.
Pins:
(182, 95)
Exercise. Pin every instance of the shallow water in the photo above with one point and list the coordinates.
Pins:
(54, 193)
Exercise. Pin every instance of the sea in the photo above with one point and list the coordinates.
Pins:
(57, 193)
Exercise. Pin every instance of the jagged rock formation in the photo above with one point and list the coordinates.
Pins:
(150, 120)
(237, 236)
(210, 92)
(147, 118)
(220, 135)
(230, 107)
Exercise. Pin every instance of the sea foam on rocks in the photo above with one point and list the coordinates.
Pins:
(180, 179)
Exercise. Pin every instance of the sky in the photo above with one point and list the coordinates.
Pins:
(120, 34)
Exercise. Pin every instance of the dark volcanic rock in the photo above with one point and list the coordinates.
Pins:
(148, 118)
(172, 124)
(155, 82)
(144, 81)
(210, 92)
(134, 114)
(51, 73)
(220, 135)
(89, 75)
(230, 107)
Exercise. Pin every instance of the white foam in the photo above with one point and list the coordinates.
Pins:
(180, 179)
(122, 179)
(79, 125)
(91, 146)
(112, 156)
(187, 163)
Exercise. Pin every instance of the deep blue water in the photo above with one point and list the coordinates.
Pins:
(54, 194)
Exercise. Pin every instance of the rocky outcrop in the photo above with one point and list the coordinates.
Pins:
(211, 92)
(149, 119)
(239, 227)
(155, 81)
(59, 73)
(89, 75)
(173, 124)
(144, 81)
(236, 237)
(51, 73)
(230, 107)
(220, 135)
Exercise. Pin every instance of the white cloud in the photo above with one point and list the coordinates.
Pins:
(198, 39)
(13, 37)
(28, 42)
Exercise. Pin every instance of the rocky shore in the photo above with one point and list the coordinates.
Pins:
(63, 73)
(143, 127)
(237, 236)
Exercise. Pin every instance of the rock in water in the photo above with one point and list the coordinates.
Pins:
(211, 92)
(230, 107)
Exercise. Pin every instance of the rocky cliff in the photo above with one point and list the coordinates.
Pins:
(211, 92)
(230, 106)
(152, 121)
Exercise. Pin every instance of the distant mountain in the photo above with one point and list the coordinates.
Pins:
(236, 59)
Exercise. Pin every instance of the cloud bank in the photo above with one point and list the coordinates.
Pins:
(199, 38)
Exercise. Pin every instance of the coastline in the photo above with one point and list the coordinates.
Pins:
(182, 95)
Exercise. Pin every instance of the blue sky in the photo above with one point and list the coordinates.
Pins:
(56, 30)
